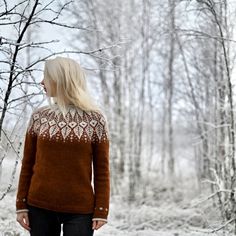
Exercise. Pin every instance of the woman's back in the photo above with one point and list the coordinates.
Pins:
(64, 148)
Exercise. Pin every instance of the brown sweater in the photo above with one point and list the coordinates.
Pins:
(60, 157)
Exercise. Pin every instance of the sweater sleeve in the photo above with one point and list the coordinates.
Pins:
(101, 170)
(27, 165)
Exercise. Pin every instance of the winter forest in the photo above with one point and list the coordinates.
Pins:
(164, 72)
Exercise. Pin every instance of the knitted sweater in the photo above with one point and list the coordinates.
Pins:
(61, 154)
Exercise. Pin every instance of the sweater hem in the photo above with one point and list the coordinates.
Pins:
(58, 208)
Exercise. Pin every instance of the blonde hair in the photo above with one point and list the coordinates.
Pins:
(70, 85)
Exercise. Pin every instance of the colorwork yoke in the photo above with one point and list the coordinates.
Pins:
(61, 155)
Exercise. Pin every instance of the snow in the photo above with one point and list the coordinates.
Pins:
(159, 214)
(167, 219)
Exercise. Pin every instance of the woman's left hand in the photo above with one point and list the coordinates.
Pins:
(98, 223)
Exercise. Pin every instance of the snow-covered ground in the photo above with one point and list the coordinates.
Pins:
(160, 214)
(165, 219)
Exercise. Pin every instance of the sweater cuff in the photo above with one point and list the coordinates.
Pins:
(100, 219)
(22, 210)
(100, 212)
(21, 203)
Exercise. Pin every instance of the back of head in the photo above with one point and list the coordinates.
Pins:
(69, 81)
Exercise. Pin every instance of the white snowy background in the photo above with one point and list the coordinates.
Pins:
(182, 211)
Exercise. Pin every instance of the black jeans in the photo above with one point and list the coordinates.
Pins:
(44, 222)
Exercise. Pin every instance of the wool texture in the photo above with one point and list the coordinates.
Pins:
(65, 164)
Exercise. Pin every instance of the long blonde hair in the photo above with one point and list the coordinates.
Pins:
(70, 82)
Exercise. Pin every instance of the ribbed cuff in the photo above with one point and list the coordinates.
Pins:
(100, 219)
(22, 210)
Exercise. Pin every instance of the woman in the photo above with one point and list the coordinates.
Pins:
(66, 143)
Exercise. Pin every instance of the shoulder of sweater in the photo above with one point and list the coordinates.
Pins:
(96, 113)
(102, 118)
(99, 115)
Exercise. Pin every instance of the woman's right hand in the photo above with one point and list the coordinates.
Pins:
(23, 219)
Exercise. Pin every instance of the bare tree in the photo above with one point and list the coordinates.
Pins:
(216, 127)
(170, 88)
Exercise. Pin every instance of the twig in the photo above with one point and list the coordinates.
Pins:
(212, 195)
